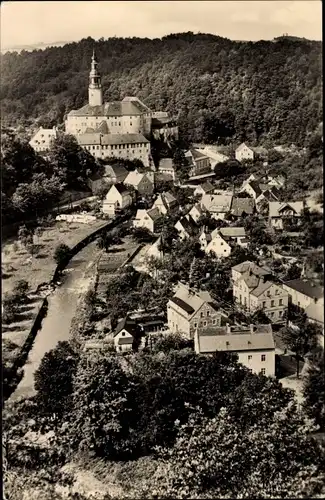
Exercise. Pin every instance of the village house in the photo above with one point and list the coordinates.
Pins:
(163, 126)
(285, 214)
(187, 310)
(112, 174)
(254, 345)
(218, 246)
(199, 163)
(218, 205)
(277, 181)
(42, 139)
(167, 169)
(186, 227)
(141, 182)
(149, 219)
(235, 234)
(165, 203)
(214, 156)
(127, 336)
(204, 188)
(117, 198)
(196, 212)
(253, 290)
(303, 293)
(241, 207)
(243, 153)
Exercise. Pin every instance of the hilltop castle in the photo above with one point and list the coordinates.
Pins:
(117, 129)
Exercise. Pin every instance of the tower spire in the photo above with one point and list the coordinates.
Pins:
(95, 93)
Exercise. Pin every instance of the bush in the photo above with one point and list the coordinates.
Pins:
(62, 254)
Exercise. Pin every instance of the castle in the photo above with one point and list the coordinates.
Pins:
(116, 129)
(120, 129)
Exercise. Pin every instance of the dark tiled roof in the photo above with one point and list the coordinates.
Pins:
(183, 305)
(242, 205)
(130, 326)
(255, 185)
(121, 188)
(117, 108)
(306, 287)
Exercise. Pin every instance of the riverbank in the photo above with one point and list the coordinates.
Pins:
(18, 265)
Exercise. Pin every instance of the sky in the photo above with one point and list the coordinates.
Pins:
(30, 22)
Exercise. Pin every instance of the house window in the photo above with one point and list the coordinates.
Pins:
(208, 313)
(195, 325)
(263, 357)
(205, 323)
(272, 303)
(120, 348)
(263, 371)
(249, 357)
(213, 321)
(123, 334)
(202, 315)
(280, 302)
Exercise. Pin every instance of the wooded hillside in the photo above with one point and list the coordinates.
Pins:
(218, 88)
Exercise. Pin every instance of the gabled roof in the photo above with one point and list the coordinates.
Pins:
(256, 187)
(188, 224)
(198, 208)
(207, 187)
(242, 146)
(134, 178)
(128, 107)
(118, 171)
(122, 189)
(195, 154)
(166, 163)
(276, 207)
(89, 139)
(217, 202)
(217, 339)
(306, 287)
(130, 326)
(235, 232)
(272, 194)
(124, 139)
(249, 266)
(242, 205)
(189, 301)
(154, 214)
(261, 288)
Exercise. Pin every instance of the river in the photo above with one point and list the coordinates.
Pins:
(62, 305)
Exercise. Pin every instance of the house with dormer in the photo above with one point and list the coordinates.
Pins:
(42, 139)
(127, 336)
(188, 309)
(282, 214)
(253, 289)
(141, 182)
(166, 202)
(196, 212)
(218, 205)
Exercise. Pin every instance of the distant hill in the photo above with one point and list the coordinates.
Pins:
(221, 90)
(29, 48)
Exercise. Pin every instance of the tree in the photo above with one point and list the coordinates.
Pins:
(104, 241)
(62, 254)
(300, 340)
(293, 272)
(101, 190)
(314, 392)
(25, 236)
(228, 169)
(143, 235)
(207, 451)
(171, 342)
(20, 289)
(260, 318)
(53, 379)
(104, 412)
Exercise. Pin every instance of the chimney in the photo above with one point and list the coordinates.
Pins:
(251, 327)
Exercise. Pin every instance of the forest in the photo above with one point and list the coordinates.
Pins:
(220, 90)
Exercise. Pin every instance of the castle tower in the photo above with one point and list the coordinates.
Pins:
(95, 94)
